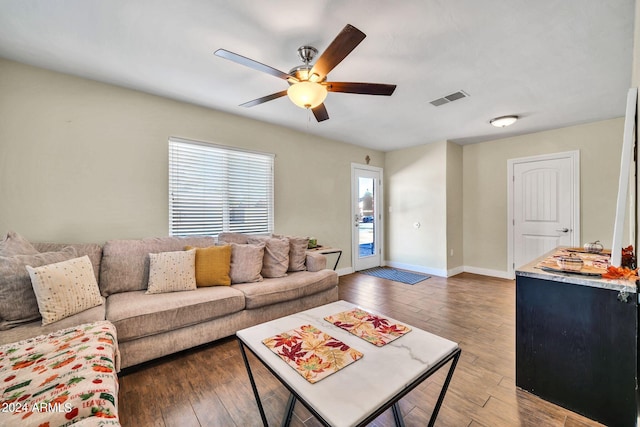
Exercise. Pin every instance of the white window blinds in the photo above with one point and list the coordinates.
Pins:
(213, 188)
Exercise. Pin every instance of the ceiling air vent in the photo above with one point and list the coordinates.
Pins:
(449, 98)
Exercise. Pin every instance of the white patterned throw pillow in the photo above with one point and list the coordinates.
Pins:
(172, 272)
(64, 288)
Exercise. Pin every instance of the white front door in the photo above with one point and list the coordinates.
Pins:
(545, 205)
(366, 216)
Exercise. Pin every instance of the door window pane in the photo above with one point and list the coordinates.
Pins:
(367, 214)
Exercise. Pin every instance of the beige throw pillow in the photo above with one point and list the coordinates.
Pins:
(172, 272)
(275, 262)
(18, 302)
(246, 263)
(64, 288)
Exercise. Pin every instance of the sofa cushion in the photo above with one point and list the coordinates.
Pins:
(246, 263)
(213, 265)
(125, 263)
(64, 288)
(137, 315)
(92, 250)
(293, 286)
(15, 244)
(35, 328)
(18, 303)
(172, 272)
(238, 238)
(275, 261)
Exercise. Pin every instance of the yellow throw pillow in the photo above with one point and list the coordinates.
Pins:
(212, 265)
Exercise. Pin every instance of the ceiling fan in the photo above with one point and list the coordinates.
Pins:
(308, 84)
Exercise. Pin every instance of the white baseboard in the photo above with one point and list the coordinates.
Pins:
(417, 268)
(344, 271)
(488, 272)
(438, 272)
(454, 271)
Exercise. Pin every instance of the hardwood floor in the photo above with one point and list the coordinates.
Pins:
(208, 386)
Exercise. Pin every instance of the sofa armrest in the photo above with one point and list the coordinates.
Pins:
(316, 261)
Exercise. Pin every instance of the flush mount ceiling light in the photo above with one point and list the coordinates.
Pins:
(307, 94)
(504, 121)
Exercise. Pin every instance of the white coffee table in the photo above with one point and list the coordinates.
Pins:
(360, 392)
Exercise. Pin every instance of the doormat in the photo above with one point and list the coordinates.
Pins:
(396, 275)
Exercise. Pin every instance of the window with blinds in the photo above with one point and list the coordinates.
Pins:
(214, 188)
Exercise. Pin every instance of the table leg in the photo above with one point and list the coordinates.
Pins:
(445, 386)
(397, 415)
(337, 261)
(288, 412)
(253, 385)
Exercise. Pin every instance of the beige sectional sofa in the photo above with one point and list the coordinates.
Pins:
(151, 326)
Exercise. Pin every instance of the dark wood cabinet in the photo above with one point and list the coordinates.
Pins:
(577, 346)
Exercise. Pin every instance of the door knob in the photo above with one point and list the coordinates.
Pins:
(563, 230)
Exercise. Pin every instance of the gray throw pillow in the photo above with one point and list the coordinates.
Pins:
(15, 244)
(246, 263)
(275, 262)
(18, 302)
(297, 252)
(230, 237)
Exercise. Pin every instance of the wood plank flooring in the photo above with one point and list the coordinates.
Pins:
(208, 386)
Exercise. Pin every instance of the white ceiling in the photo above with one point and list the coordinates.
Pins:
(553, 62)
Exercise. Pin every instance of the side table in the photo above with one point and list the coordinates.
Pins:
(325, 250)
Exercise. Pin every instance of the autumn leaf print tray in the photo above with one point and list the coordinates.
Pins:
(372, 328)
(312, 353)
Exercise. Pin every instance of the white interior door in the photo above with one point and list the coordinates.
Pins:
(366, 218)
(545, 211)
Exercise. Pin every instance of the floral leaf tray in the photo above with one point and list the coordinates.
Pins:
(377, 330)
(312, 353)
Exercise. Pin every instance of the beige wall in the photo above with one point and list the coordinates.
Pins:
(82, 161)
(635, 67)
(424, 184)
(455, 208)
(85, 161)
(485, 186)
(416, 192)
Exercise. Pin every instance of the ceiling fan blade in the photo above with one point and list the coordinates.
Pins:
(361, 88)
(320, 112)
(340, 47)
(264, 99)
(242, 60)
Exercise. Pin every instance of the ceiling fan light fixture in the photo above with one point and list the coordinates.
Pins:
(307, 94)
(503, 121)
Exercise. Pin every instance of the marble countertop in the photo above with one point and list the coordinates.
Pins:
(529, 270)
(346, 397)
